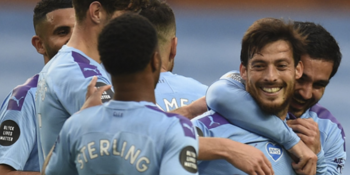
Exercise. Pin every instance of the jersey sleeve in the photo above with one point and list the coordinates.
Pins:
(228, 97)
(62, 161)
(73, 94)
(17, 132)
(180, 150)
(334, 152)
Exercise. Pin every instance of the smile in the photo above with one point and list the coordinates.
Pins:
(271, 90)
(299, 101)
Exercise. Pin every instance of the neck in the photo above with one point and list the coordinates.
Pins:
(282, 114)
(135, 87)
(84, 38)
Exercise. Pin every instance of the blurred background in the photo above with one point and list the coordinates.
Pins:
(209, 36)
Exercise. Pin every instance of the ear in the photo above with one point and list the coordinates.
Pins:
(95, 12)
(38, 44)
(299, 69)
(156, 62)
(173, 49)
(243, 71)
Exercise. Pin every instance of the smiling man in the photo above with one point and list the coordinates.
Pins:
(270, 63)
(315, 125)
(53, 23)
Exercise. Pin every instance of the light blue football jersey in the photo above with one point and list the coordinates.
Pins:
(61, 92)
(332, 156)
(211, 124)
(123, 138)
(332, 138)
(174, 91)
(18, 140)
(228, 97)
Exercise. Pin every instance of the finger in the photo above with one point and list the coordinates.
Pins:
(269, 165)
(259, 171)
(91, 87)
(300, 129)
(300, 165)
(266, 168)
(102, 89)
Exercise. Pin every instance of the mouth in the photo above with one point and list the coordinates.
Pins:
(271, 90)
(299, 100)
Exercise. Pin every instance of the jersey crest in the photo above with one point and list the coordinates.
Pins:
(274, 151)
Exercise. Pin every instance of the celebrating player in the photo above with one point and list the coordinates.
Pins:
(173, 91)
(270, 64)
(63, 81)
(53, 24)
(322, 134)
(130, 134)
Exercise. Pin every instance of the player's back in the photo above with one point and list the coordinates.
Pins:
(61, 92)
(18, 141)
(125, 138)
(174, 91)
(214, 125)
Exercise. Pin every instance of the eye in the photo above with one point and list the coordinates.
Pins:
(62, 32)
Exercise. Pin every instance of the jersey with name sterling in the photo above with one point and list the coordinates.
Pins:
(125, 138)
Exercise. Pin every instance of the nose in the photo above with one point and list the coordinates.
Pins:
(271, 74)
(305, 91)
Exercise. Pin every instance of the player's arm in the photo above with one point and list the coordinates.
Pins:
(180, 150)
(334, 151)
(242, 156)
(192, 110)
(19, 127)
(60, 161)
(228, 97)
(8, 170)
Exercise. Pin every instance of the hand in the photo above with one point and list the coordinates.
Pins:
(93, 94)
(194, 109)
(307, 130)
(307, 159)
(244, 157)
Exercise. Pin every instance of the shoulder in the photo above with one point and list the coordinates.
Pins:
(23, 94)
(211, 119)
(184, 80)
(176, 119)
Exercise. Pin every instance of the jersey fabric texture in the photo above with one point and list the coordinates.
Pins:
(214, 125)
(61, 92)
(18, 140)
(174, 91)
(125, 138)
(332, 140)
(331, 158)
(228, 97)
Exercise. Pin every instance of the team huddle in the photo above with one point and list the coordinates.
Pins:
(107, 102)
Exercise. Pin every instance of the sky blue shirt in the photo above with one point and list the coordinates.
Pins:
(18, 140)
(332, 156)
(125, 138)
(61, 92)
(214, 125)
(174, 91)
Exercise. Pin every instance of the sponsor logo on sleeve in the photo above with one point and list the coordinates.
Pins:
(233, 76)
(188, 159)
(9, 133)
(275, 151)
(340, 164)
(107, 95)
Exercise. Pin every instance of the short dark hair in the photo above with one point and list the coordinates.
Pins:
(162, 17)
(321, 44)
(46, 6)
(127, 44)
(268, 30)
(81, 6)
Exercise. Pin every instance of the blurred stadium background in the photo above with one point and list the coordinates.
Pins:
(209, 33)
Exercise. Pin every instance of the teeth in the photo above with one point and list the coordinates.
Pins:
(299, 101)
(271, 90)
